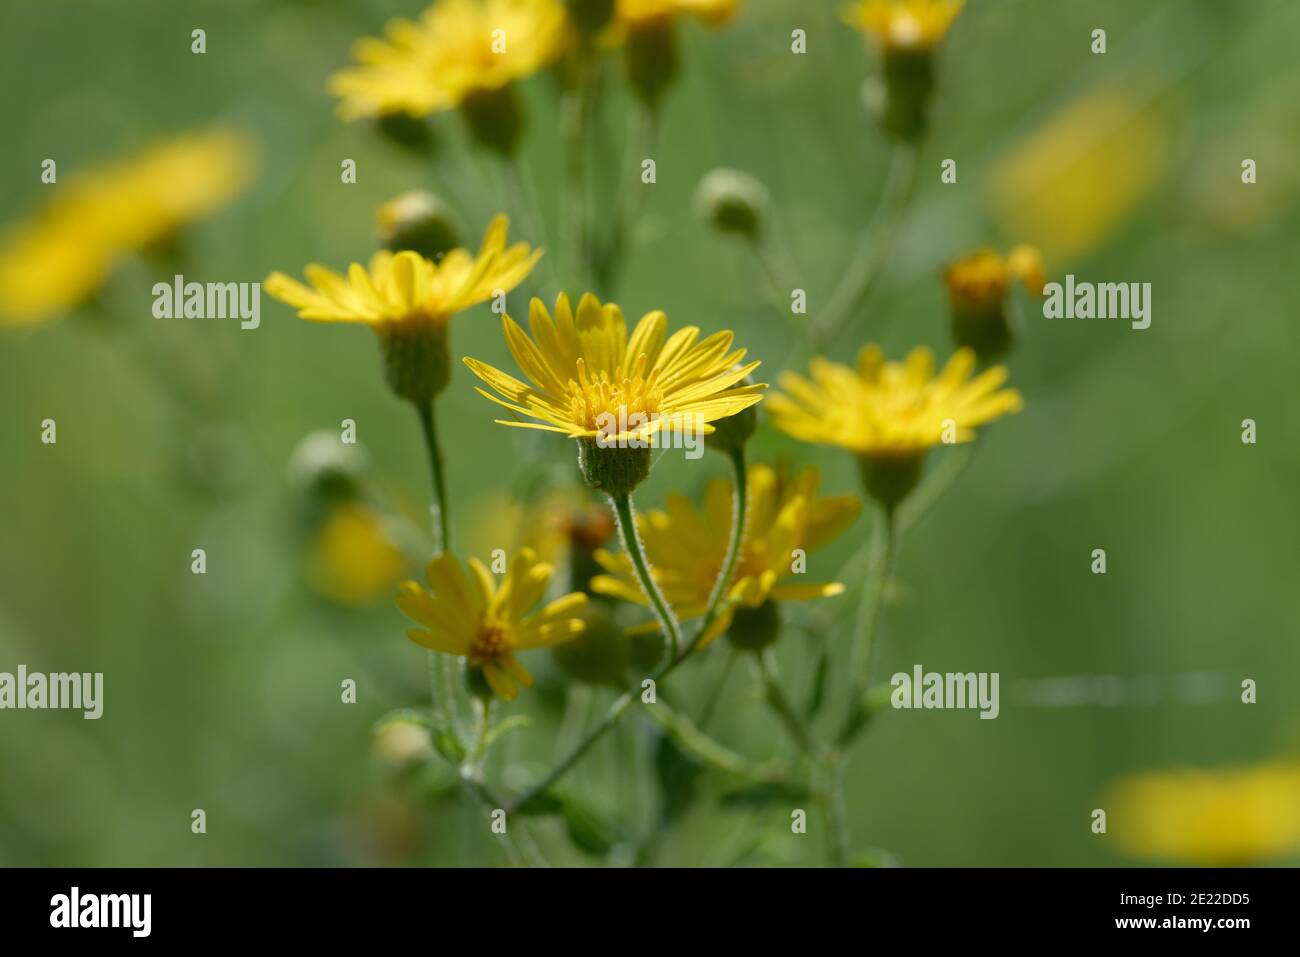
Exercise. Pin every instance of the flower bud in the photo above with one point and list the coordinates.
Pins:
(613, 470)
(729, 435)
(731, 201)
(410, 133)
(651, 60)
(890, 478)
(753, 629)
(416, 363)
(417, 220)
(589, 17)
(321, 464)
(495, 118)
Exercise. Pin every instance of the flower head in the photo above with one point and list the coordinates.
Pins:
(1227, 817)
(457, 49)
(686, 547)
(409, 301)
(638, 14)
(484, 622)
(890, 409)
(977, 290)
(590, 379)
(62, 255)
(353, 559)
(903, 24)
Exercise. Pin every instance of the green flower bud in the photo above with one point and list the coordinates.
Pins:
(416, 363)
(614, 470)
(901, 98)
(590, 16)
(651, 60)
(407, 132)
(753, 629)
(417, 220)
(730, 434)
(476, 684)
(321, 464)
(890, 478)
(731, 202)
(495, 118)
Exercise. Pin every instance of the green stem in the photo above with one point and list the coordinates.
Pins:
(780, 703)
(739, 516)
(708, 751)
(885, 544)
(441, 516)
(577, 126)
(873, 248)
(635, 552)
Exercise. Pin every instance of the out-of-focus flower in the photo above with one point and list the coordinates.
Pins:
(903, 24)
(352, 559)
(648, 31)
(889, 414)
(1226, 817)
(461, 54)
(905, 33)
(1072, 183)
(593, 382)
(731, 201)
(977, 291)
(686, 547)
(487, 623)
(60, 257)
(409, 301)
(419, 221)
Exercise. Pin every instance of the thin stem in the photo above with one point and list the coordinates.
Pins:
(441, 516)
(711, 701)
(708, 751)
(780, 703)
(873, 248)
(635, 552)
(885, 544)
(739, 517)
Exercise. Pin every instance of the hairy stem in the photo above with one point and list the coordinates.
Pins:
(636, 553)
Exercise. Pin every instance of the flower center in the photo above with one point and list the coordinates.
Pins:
(489, 644)
(631, 401)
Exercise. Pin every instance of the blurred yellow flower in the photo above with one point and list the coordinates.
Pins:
(487, 623)
(352, 559)
(409, 301)
(903, 24)
(1227, 817)
(1071, 184)
(61, 256)
(636, 14)
(405, 288)
(891, 409)
(980, 280)
(587, 372)
(686, 547)
(457, 49)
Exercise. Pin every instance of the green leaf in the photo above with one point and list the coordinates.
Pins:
(874, 857)
(449, 747)
(506, 726)
(676, 774)
(543, 804)
(818, 695)
(589, 830)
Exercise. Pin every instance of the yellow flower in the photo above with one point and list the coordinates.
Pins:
(1073, 182)
(457, 49)
(352, 559)
(405, 288)
(903, 24)
(980, 280)
(61, 256)
(487, 623)
(891, 409)
(636, 14)
(686, 547)
(409, 301)
(1227, 817)
(590, 379)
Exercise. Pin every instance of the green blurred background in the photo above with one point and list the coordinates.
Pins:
(222, 690)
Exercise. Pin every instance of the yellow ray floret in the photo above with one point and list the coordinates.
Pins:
(60, 257)
(486, 622)
(637, 13)
(903, 24)
(458, 48)
(686, 547)
(1224, 817)
(891, 408)
(406, 287)
(983, 276)
(587, 372)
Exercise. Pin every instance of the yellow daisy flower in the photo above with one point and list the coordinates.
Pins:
(1220, 818)
(352, 559)
(635, 14)
(410, 300)
(592, 380)
(686, 548)
(485, 622)
(977, 290)
(903, 24)
(890, 413)
(458, 49)
(61, 256)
